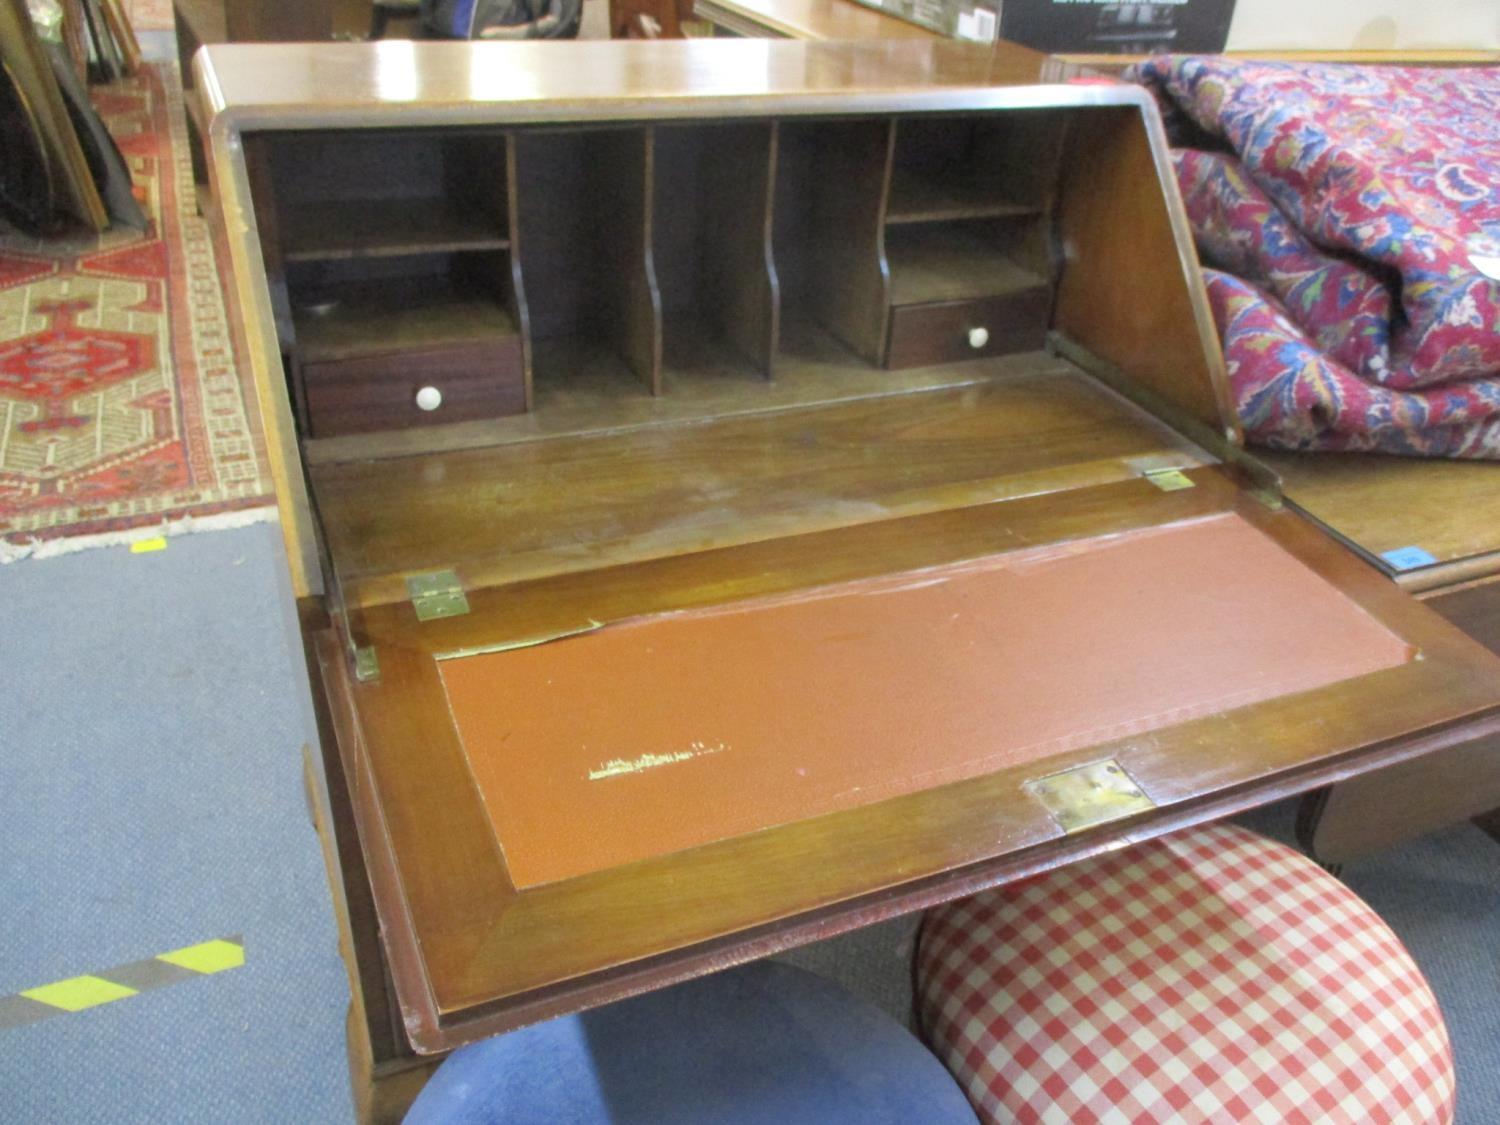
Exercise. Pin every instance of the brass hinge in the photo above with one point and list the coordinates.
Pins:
(366, 664)
(435, 595)
(1169, 480)
(1265, 484)
(1084, 796)
(1168, 473)
(1270, 497)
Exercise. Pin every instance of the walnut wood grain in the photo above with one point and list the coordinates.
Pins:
(924, 197)
(815, 369)
(514, 285)
(949, 168)
(531, 508)
(609, 503)
(485, 947)
(1131, 290)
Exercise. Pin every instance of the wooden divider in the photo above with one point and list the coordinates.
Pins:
(663, 254)
(516, 290)
(583, 227)
(832, 183)
(711, 201)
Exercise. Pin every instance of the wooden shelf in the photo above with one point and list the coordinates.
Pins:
(941, 264)
(409, 314)
(917, 197)
(383, 228)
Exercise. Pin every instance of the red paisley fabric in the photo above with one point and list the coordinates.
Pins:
(1349, 222)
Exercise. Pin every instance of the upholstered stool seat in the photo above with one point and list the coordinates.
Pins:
(1209, 976)
(765, 1044)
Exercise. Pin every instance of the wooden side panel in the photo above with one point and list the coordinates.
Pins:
(1380, 810)
(353, 907)
(1131, 291)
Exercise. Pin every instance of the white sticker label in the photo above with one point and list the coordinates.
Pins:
(1487, 265)
(984, 24)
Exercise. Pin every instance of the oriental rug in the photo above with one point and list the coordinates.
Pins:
(123, 409)
(1349, 218)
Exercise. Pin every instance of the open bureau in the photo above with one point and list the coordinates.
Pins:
(740, 491)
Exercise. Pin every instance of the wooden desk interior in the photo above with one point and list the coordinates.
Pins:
(584, 351)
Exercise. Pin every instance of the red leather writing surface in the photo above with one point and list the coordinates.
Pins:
(668, 732)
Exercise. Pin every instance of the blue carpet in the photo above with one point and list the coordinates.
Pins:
(1441, 894)
(151, 798)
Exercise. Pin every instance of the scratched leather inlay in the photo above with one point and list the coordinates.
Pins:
(670, 732)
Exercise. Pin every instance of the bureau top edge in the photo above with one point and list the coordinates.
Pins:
(250, 87)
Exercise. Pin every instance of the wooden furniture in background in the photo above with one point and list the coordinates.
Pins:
(1451, 511)
(199, 23)
(1116, 64)
(805, 19)
(791, 319)
(649, 19)
(382, 12)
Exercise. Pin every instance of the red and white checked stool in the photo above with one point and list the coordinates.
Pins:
(1213, 975)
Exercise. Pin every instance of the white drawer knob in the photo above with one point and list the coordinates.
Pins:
(978, 338)
(429, 398)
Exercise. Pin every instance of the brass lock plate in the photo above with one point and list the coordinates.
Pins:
(1084, 796)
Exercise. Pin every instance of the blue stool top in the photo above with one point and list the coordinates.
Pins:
(764, 1044)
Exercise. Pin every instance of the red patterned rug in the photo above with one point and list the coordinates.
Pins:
(121, 404)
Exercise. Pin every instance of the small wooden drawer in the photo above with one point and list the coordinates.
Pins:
(414, 388)
(947, 331)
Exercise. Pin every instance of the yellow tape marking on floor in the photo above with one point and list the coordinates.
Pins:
(77, 993)
(145, 546)
(206, 957)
